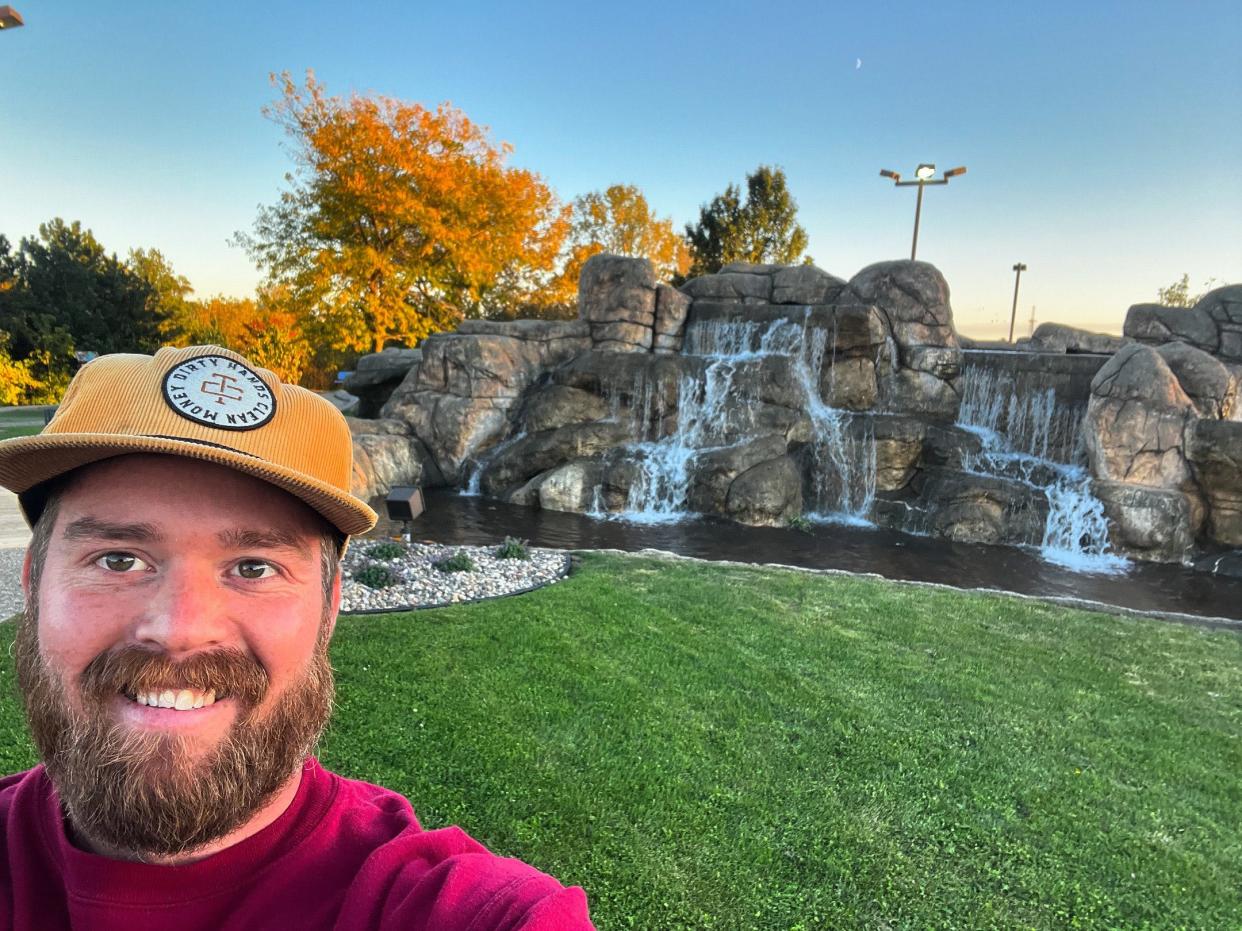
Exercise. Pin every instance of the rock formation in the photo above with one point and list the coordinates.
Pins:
(766, 392)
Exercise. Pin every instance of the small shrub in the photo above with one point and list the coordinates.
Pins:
(375, 575)
(800, 523)
(458, 562)
(513, 548)
(386, 551)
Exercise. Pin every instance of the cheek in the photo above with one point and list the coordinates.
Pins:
(75, 626)
(284, 642)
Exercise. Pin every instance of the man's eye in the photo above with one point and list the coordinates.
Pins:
(255, 569)
(121, 562)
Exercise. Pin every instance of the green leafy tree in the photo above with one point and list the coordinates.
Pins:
(62, 293)
(763, 228)
(169, 300)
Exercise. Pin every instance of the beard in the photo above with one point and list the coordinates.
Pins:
(151, 794)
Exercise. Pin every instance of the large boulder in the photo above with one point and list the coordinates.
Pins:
(743, 287)
(1155, 324)
(377, 375)
(554, 406)
(1136, 419)
(1211, 386)
(457, 430)
(1223, 307)
(913, 297)
(971, 508)
(459, 398)
(898, 450)
(617, 298)
(713, 471)
(520, 460)
(385, 454)
(672, 308)
(767, 494)
(1214, 448)
(1057, 337)
(1145, 522)
(805, 284)
(913, 300)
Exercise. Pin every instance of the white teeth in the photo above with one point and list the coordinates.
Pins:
(178, 700)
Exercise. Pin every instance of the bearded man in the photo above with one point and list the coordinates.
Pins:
(182, 583)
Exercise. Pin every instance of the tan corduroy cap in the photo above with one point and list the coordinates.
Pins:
(201, 402)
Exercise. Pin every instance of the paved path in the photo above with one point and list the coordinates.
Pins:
(13, 530)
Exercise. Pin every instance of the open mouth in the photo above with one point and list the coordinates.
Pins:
(176, 699)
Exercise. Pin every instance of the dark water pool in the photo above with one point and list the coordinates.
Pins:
(453, 518)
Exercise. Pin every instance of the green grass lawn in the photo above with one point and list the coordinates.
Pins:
(720, 747)
(7, 431)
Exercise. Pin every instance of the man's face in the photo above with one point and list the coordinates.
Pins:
(169, 582)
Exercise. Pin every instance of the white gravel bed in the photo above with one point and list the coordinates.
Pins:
(11, 598)
(421, 585)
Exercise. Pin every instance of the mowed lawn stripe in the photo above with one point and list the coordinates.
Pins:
(729, 747)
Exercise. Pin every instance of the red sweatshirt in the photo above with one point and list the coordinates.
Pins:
(345, 855)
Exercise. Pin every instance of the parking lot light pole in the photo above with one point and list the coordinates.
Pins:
(924, 175)
(1018, 270)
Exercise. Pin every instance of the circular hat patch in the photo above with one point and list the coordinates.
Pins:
(219, 392)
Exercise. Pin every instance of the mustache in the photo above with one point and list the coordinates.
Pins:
(230, 672)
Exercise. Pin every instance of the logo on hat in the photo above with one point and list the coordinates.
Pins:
(219, 392)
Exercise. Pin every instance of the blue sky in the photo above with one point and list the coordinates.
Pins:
(1103, 140)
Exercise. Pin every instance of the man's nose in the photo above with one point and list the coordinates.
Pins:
(186, 612)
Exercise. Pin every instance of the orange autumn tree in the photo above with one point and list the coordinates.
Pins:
(263, 329)
(399, 220)
(619, 220)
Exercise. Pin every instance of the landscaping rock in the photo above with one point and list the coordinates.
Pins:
(1214, 448)
(768, 494)
(1145, 522)
(554, 406)
(805, 284)
(1056, 337)
(1135, 421)
(377, 375)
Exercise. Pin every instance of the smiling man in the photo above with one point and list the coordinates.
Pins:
(182, 584)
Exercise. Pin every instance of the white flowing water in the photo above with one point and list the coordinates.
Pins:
(1028, 436)
(712, 410)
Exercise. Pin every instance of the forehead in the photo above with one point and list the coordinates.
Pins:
(171, 491)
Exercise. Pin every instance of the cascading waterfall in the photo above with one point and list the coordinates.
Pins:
(477, 466)
(708, 410)
(1028, 436)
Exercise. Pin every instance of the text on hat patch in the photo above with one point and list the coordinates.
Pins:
(219, 392)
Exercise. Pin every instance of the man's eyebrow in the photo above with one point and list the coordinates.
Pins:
(243, 538)
(92, 528)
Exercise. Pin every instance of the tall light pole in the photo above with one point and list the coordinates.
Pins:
(10, 18)
(1018, 270)
(924, 176)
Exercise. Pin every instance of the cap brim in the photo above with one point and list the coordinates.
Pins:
(29, 461)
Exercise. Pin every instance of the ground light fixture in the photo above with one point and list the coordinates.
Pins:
(404, 503)
(1018, 269)
(924, 175)
(10, 18)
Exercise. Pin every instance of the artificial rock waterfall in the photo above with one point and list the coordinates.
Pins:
(767, 393)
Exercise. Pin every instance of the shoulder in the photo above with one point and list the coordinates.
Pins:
(445, 879)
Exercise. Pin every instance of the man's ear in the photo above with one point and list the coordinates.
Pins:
(335, 605)
(26, 574)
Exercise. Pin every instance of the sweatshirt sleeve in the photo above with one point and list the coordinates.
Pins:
(462, 887)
